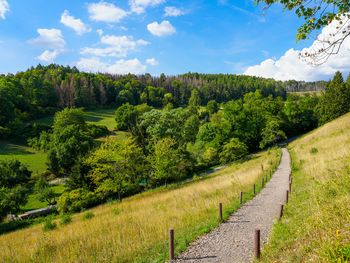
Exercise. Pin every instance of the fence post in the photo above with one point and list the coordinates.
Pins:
(257, 243)
(287, 196)
(290, 187)
(281, 212)
(241, 198)
(220, 212)
(262, 182)
(254, 189)
(171, 245)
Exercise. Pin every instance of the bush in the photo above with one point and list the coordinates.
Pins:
(314, 150)
(49, 224)
(97, 130)
(76, 200)
(232, 151)
(65, 219)
(88, 215)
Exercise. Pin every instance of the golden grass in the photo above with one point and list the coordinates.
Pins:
(136, 230)
(316, 226)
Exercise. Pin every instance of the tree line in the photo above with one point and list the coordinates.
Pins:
(43, 90)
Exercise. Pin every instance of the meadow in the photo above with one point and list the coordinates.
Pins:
(315, 226)
(35, 160)
(136, 229)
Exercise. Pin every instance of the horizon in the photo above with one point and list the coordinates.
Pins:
(159, 36)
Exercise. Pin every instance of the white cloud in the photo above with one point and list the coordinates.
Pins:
(49, 56)
(152, 62)
(290, 66)
(52, 40)
(76, 24)
(162, 29)
(116, 46)
(139, 6)
(49, 38)
(4, 8)
(119, 67)
(173, 11)
(100, 32)
(106, 12)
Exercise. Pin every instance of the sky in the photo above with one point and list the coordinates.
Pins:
(158, 36)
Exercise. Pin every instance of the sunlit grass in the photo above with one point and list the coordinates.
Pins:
(35, 160)
(316, 224)
(136, 229)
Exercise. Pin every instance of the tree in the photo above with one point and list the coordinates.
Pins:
(44, 191)
(232, 151)
(68, 142)
(14, 186)
(318, 14)
(116, 168)
(335, 100)
(272, 133)
(212, 106)
(166, 162)
(126, 116)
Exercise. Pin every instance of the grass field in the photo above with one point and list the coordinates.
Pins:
(35, 160)
(33, 200)
(136, 229)
(316, 223)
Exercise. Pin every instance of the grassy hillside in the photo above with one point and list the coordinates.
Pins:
(136, 229)
(316, 225)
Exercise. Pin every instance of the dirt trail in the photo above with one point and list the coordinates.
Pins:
(233, 241)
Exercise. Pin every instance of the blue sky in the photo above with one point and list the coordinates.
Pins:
(151, 36)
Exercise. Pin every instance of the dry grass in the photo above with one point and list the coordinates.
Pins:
(316, 226)
(136, 229)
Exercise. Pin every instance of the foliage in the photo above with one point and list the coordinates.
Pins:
(14, 186)
(88, 215)
(232, 151)
(335, 100)
(272, 133)
(65, 219)
(76, 200)
(49, 224)
(116, 168)
(167, 162)
(44, 191)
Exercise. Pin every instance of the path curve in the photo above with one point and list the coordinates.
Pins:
(233, 240)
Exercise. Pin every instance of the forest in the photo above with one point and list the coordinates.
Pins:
(177, 126)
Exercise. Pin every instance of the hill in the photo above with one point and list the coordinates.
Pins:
(315, 227)
(135, 230)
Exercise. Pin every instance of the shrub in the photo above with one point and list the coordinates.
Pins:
(232, 151)
(76, 200)
(314, 150)
(65, 219)
(88, 215)
(49, 224)
(97, 130)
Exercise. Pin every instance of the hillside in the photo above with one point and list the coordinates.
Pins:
(136, 229)
(315, 227)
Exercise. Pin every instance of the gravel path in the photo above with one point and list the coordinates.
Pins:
(233, 240)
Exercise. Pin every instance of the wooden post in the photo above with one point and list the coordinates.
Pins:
(281, 212)
(220, 212)
(171, 245)
(287, 196)
(290, 187)
(257, 243)
(254, 189)
(241, 198)
(262, 182)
